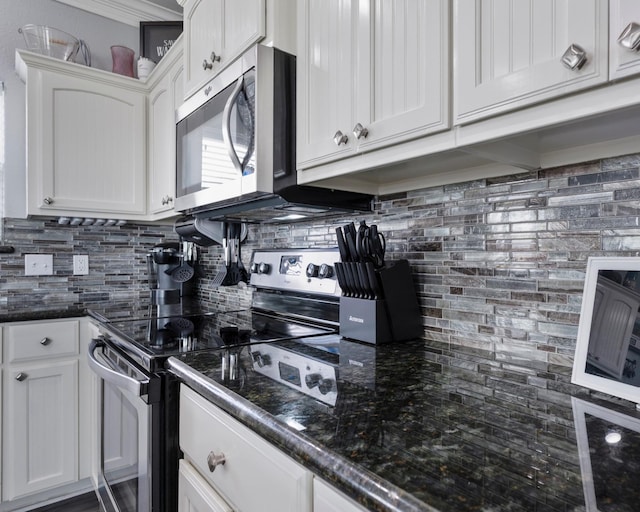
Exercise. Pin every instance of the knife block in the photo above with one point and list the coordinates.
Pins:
(395, 318)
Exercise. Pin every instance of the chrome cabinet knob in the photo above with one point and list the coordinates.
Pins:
(45, 341)
(213, 461)
(166, 200)
(574, 57)
(360, 131)
(629, 38)
(47, 200)
(214, 58)
(21, 376)
(340, 138)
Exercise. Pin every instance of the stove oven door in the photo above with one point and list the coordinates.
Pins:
(124, 430)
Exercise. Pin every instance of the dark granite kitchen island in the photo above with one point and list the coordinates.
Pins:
(411, 433)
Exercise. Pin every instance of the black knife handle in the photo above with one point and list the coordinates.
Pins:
(342, 245)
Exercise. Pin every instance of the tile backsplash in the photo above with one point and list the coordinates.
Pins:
(498, 263)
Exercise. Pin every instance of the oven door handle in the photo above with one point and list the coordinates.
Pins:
(114, 375)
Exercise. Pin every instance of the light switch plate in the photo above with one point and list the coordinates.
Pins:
(38, 264)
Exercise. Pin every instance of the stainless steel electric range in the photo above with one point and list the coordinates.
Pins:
(290, 333)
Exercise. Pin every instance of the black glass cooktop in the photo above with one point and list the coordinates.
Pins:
(153, 339)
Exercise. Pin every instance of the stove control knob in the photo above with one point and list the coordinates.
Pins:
(260, 268)
(325, 272)
(325, 386)
(261, 360)
(264, 268)
(312, 270)
(312, 380)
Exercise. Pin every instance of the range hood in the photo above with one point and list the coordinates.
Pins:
(294, 203)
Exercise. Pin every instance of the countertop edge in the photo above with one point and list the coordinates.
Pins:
(350, 478)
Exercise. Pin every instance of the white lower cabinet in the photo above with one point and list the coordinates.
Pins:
(327, 499)
(195, 494)
(247, 472)
(45, 417)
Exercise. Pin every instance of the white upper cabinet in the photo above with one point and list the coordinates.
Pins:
(86, 140)
(624, 38)
(164, 98)
(216, 32)
(509, 53)
(371, 73)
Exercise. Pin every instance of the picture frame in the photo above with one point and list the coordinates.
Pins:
(607, 349)
(156, 37)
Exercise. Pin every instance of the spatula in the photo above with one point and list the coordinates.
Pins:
(222, 273)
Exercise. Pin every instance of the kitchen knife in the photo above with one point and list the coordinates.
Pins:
(350, 237)
(342, 245)
(373, 280)
(341, 279)
(364, 280)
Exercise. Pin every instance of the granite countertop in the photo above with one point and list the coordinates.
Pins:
(419, 431)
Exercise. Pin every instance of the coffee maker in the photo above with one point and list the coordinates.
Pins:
(172, 270)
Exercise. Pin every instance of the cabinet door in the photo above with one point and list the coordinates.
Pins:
(195, 494)
(328, 499)
(40, 423)
(255, 474)
(202, 21)
(623, 61)
(86, 146)
(162, 141)
(507, 53)
(615, 311)
(405, 92)
(216, 33)
(327, 66)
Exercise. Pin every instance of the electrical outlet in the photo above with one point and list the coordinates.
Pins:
(38, 264)
(80, 264)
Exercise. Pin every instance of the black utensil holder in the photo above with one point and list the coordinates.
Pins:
(396, 317)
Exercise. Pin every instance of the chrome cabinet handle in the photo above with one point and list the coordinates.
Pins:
(166, 200)
(360, 131)
(340, 138)
(213, 461)
(574, 57)
(47, 200)
(214, 58)
(21, 376)
(629, 38)
(45, 341)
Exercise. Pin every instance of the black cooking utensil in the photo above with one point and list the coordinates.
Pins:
(222, 273)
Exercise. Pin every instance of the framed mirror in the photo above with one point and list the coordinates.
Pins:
(609, 451)
(607, 356)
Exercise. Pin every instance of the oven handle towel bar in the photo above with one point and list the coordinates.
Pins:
(114, 375)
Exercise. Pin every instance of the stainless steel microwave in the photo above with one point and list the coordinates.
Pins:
(235, 147)
(237, 132)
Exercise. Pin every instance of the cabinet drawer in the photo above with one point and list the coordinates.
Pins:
(41, 340)
(255, 475)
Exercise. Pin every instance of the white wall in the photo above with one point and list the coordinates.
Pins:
(99, 33)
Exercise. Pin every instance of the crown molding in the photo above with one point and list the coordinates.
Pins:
(130, 12)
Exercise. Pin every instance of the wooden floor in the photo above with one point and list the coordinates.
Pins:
(85, 503)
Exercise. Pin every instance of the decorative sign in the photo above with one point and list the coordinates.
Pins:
(156, 37)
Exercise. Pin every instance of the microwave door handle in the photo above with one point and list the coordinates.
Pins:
(118, 379)
(226, 124)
